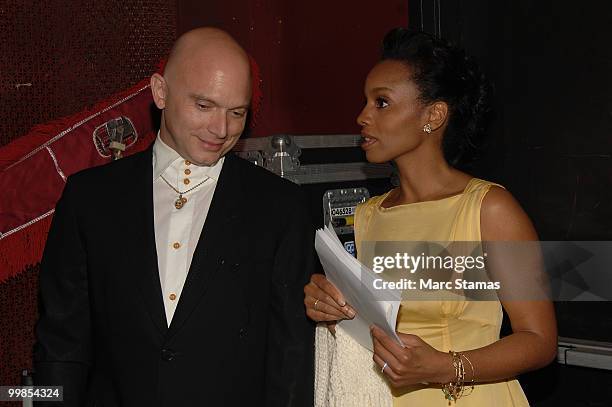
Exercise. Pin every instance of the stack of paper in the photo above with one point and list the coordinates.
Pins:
(356, 282)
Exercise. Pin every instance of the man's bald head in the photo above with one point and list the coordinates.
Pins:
(204, 95)
(205, 45)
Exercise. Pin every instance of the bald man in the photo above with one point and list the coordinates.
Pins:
(174, 277)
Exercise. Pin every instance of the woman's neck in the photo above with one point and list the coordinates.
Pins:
(426, 177)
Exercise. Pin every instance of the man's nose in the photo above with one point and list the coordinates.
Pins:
(218, 123)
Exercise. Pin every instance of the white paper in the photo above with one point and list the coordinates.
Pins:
(355, 282)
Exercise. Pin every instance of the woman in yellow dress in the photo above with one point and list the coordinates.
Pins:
(425, 104)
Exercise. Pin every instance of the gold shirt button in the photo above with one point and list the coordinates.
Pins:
(187, 162)
(186, 181)
(172, 297)
(187, 171)
(176, 245)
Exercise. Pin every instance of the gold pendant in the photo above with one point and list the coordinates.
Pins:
(180, 202)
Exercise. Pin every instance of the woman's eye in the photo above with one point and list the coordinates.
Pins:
(381, 103)
(238, 113)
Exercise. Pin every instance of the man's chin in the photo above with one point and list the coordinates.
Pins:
(207, 160)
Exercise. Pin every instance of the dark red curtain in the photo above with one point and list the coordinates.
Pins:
(59, 56)
(314, 55)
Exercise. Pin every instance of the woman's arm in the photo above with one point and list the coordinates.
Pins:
(533, 343)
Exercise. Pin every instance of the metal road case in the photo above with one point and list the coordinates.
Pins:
(332, 169)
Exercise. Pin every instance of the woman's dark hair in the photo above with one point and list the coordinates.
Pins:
(442, 72)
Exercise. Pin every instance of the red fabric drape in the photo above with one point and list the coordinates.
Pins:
(33, 183)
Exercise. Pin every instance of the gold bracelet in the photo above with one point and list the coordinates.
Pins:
(473, 373)
(455, 389)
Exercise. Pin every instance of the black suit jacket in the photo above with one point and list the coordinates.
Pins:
(239, 335)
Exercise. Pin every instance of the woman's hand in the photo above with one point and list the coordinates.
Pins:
(417, 363)
(324, 303)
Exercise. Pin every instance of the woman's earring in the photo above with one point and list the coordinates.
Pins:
(427, 128)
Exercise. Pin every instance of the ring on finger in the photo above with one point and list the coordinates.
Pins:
(383, 368)
(315, 305)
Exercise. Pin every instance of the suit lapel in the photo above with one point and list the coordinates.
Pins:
(147, 278)
(215, 241)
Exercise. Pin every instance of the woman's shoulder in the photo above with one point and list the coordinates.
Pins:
(364, 211)
(478, 184)
(503, 218)
(371, 203)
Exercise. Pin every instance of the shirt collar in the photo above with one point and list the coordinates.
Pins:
(164, 156)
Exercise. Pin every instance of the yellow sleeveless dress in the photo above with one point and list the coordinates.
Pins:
(345, 374)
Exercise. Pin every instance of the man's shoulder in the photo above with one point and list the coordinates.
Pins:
(256, 177)
(264, 189)
(114, 171)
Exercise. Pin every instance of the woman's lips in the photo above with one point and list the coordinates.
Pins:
(367, 141)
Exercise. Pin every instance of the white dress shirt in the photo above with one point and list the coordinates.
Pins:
(177, 231)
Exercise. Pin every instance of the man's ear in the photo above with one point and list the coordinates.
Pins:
(159, 90)
(438, 114)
